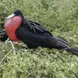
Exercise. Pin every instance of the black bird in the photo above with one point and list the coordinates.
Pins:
(34, 35)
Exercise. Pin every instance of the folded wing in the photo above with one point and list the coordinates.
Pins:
(36, 27)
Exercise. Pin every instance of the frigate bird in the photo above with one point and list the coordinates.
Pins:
(34, 35)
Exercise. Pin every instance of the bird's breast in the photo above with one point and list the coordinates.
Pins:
(11, 25)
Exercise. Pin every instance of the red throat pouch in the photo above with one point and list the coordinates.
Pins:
(11, 26)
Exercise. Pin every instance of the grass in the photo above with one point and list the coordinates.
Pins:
(60, 18)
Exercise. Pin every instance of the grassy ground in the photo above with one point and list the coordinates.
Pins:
(60, 18)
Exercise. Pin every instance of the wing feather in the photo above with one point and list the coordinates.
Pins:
(36, 27)
(30, 38)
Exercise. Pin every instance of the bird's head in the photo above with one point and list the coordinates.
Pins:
(12, 23)
(16, 13)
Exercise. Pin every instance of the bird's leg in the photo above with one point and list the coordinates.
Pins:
(7, 41)
(13, 48)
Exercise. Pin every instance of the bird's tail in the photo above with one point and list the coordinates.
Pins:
(72, 50)
(63, 44)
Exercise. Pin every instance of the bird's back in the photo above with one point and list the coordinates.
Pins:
(33, 39)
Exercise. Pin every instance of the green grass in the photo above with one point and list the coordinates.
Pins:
(60, 17)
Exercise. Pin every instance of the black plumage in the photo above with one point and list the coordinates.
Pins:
(3, 35)
(34, 35)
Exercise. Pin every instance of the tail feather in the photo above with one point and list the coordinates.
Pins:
(63, 40)
(63, 44)
(60, 39)
(73, 50)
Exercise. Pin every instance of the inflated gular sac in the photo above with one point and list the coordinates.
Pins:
(11, 26)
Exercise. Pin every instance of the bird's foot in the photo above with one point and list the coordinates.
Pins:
(12, 44)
